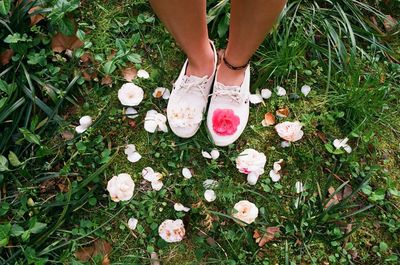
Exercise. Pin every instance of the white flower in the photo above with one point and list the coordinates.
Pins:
(180, 208)
(131, 113)
(186, 173)
(214, 154)
(172, 231)
(255, 98)
(143, 74)
(210, 184)
(184, 116)
(305, 90)
(155, 121)
(84, 124)
(121, 187)
(285, 144)
(275, 172)
(245, 211)
(290, 131)
(210, 195)
(342, 143)
(133, 155)
(251, 161)
(299, 187)
(161, 92)
(266, 93)
(130, 94)
(252, 178)
(280, 91)
(153, 177)
(132, 223)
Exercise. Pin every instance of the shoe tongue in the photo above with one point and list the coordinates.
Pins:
(228, 87)
(193, 78)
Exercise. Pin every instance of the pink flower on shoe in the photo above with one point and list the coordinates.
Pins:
(225, 122)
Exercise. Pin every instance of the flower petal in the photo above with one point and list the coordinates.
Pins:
(210, 195)
(132, 223)
(134, 157)
(305, 90)
(266, 93)
(180, 208)
(274, 176)
(206, 154)
(186, 173)
(255, 98)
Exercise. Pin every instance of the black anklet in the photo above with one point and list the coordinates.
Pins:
(232, 67)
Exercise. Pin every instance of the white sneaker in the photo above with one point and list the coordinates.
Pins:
(228, 112)
(188, 101)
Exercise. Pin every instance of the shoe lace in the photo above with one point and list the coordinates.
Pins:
(189, 86)
(232, 92)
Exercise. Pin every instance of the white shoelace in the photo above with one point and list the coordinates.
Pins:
(189, 85)
(232, 92)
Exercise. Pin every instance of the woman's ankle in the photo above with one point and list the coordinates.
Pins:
(229, 77)
(202, 64)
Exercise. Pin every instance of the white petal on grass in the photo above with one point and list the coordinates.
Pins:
(132, 223)
(80, 129)
(206, 154)
(347, 148)
(214, 154)
(166, 94)
(255, 98)
(274, 176)
(143, 74)
(155, 121)
(252, 178)
(210, 184)
(305, 90)
(285, 144)
(180, 208)
(131, 113)
(130, 149)
(210, 195)
(134, 157)
(186, 173)
(149, 174)
(85, 121)
(299, 187)
(280, 91)
(266, 93)
(157, 185)
(277, 165)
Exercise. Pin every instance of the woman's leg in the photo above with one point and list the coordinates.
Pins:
(251, 20)
(186, 21)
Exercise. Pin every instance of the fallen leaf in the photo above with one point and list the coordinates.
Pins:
(322, 136)
(67, 135)
(86, 58)
(269, 235)
(37, 17)
(335, 199)
(132, 123)
(61, 42)
(5, 56)
(106, 80)
(389, 23)
(129, 73)
(98, 247)
(283, 112)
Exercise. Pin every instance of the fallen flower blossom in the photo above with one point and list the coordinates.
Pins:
(245, 211)
(155, 121)
(290, 131)
(172, 230)
(252, 162)
(121, 187)
(130, 94)
(342, 143)
(269, 119)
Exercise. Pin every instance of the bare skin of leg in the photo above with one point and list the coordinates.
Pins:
(186, 21)
(251, 20)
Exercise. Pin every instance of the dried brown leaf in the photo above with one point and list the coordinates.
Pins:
(99, 247)
(389, 23)
(129, 73)
(106, 80)
(5, 56)
(61, 42)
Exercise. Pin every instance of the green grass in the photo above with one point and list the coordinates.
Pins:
(67, 178)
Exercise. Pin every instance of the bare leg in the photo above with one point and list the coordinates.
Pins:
(251, 20)
(186, 21)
